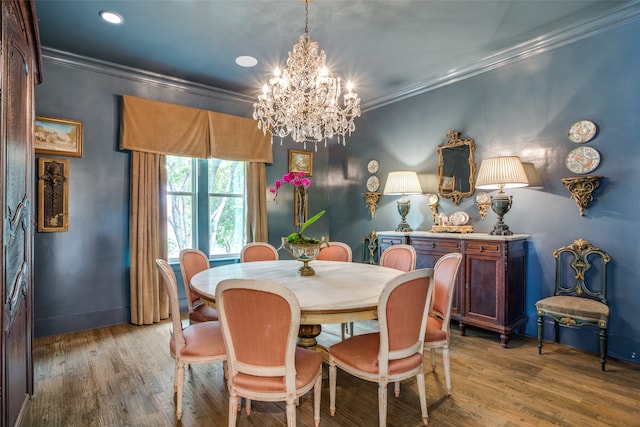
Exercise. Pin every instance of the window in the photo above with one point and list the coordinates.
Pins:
(205, 206)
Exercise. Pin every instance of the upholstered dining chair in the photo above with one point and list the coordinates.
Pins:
(396, 351)
(193, 261)
(258, 251)
(400, 257)
(338, 251)
(580, 295)
(445, 275)
(260, 322)
(195, 344)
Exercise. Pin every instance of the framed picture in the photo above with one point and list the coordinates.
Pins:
(301, 161)
(58, 137)
(447, 183)
(53, 194)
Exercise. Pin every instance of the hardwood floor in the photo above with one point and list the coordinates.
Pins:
(123, 376)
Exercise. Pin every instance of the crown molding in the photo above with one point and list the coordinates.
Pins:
(587, 28)
(135, 74)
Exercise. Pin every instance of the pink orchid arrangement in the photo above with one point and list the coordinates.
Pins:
(296, 179)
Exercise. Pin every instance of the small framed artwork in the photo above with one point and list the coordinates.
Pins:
(301, 161)
(53, 194)
(447, 183)
(57, 137)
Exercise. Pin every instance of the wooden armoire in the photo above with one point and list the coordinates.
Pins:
(20, 72)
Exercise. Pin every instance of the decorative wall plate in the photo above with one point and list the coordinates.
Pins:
(373, 183)
(582, 131)
(373, 166)
(458, 218)
(582, 160)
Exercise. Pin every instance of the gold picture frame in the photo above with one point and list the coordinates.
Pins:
(57, 137)
(53, 194)
(301, 161)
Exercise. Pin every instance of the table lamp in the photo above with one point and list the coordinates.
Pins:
(535, 182)
(498, 173)
(403, 182)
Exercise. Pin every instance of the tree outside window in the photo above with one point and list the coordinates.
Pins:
(205, 206)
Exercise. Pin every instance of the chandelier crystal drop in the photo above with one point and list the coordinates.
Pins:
(303, 100)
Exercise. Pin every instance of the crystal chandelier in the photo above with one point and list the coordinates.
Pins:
(303, 100)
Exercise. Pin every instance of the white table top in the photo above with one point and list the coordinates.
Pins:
(336, 286)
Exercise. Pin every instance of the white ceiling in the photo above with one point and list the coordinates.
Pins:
(389, 48)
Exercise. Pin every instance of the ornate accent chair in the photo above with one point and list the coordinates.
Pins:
(260, 322)
(197, 343)
(193, 261)
(580, 296)
(338, 251)
(396, 352)
(258, 251)
(400, 257)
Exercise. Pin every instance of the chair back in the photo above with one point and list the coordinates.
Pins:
(445, 274)
(168, 278)
(336, 251)
(581, 270)
(400, 257)
(402, 315)
(260, 322)
(192, 261)
(258, 251)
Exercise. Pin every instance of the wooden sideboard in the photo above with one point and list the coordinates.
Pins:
(490, 291)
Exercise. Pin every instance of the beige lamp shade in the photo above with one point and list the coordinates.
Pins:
(402, 182)
(501, 172)
(535, 182)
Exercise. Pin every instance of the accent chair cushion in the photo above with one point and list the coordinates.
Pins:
(578, 307)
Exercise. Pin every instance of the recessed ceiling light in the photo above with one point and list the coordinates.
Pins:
(111, 17)
(246, 61)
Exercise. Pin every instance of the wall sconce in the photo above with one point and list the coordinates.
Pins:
(371, 199)
(483, 201)
(402, 182)
(500, 173)
(433, 201)
(581, 189)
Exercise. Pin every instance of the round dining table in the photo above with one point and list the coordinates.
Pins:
(339, 292)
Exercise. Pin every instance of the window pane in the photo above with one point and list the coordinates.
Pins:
(180, 227)
(179, 174)
(226, 177)
(226, 225)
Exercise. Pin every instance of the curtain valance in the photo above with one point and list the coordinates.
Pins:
(163, 128)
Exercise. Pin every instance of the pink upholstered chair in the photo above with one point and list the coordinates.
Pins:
(258, 251)
(396, 352)
(193, 261)
(260, 322)
(198, 343)
(338, 251)
(445, 274)
(400, 257)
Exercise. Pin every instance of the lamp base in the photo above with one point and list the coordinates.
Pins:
(403, 209)
(500, 204)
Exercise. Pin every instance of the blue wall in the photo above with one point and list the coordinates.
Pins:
(523, 108)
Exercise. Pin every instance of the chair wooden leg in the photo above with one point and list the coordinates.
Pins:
(540, 331)
(291, 413)
(556, 331)
(233, 409)
(603, 347)
(382, 403)
(396, 389)
(332, 387)
(447, 370)
(179, 380)
(317, 393)
(433, 360)
(247, 406)
(422, 390)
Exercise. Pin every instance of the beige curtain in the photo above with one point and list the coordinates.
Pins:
(256, 202)
(147, 237)
(151, 130)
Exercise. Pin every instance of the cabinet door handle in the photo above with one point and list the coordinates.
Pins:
(481, 248)
(433, 245)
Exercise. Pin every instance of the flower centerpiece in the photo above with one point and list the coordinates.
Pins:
(302, 248)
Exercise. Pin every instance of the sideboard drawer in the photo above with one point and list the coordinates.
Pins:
(441, 245)
(484, 247)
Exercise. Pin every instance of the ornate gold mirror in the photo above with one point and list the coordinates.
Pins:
(457, 168)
